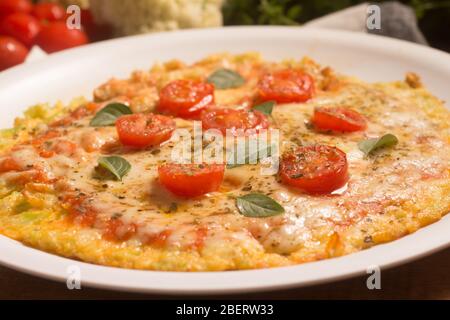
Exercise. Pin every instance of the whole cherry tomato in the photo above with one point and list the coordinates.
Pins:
(49, 11)
(8, 7)
(12, 52)
(56, 36)
(22, 26)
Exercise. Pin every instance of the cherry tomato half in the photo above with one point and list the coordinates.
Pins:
(238, 122)
(317, 169)
(49, 11)
(144, 130)
(12, 52)
(21, 26)
(8, 7)
(338, 119)
(286, 86)
(56, 37)
(185, 98)
(191, 180)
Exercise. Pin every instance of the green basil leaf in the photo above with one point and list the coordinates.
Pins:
(258, 205)
(109, 114)
(112, 167)
(266, 107)
(370, 145)
(226, 79)
(247, 157)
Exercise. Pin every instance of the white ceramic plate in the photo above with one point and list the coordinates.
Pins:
(77, 72)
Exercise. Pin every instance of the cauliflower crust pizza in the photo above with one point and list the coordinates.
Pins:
(359, 164)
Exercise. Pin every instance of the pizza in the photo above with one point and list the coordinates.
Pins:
(228, 163)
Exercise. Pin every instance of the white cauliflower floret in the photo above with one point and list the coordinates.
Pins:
(141, 16)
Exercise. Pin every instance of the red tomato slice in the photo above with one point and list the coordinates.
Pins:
(191, 180)
(185, 98)
(8, 7)
(286, 86)
(317, 169)
(338, 119)
(56, 37)
(144, 130)
(239, 122)
(49, 11)
(12, 52)
(21, 26)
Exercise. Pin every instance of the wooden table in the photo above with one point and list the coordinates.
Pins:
(426, 278)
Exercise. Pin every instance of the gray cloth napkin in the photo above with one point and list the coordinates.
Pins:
(396, 20)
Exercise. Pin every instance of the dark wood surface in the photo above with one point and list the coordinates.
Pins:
(427, 278)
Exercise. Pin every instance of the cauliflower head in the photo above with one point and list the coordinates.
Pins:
(129, 17)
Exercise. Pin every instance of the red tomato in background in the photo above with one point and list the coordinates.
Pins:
(12, 52)
(42, 24)
(49, 11)
(21, 26)
(8, 7)
(56, 37)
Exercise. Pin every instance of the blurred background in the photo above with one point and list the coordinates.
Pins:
(40, 26)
